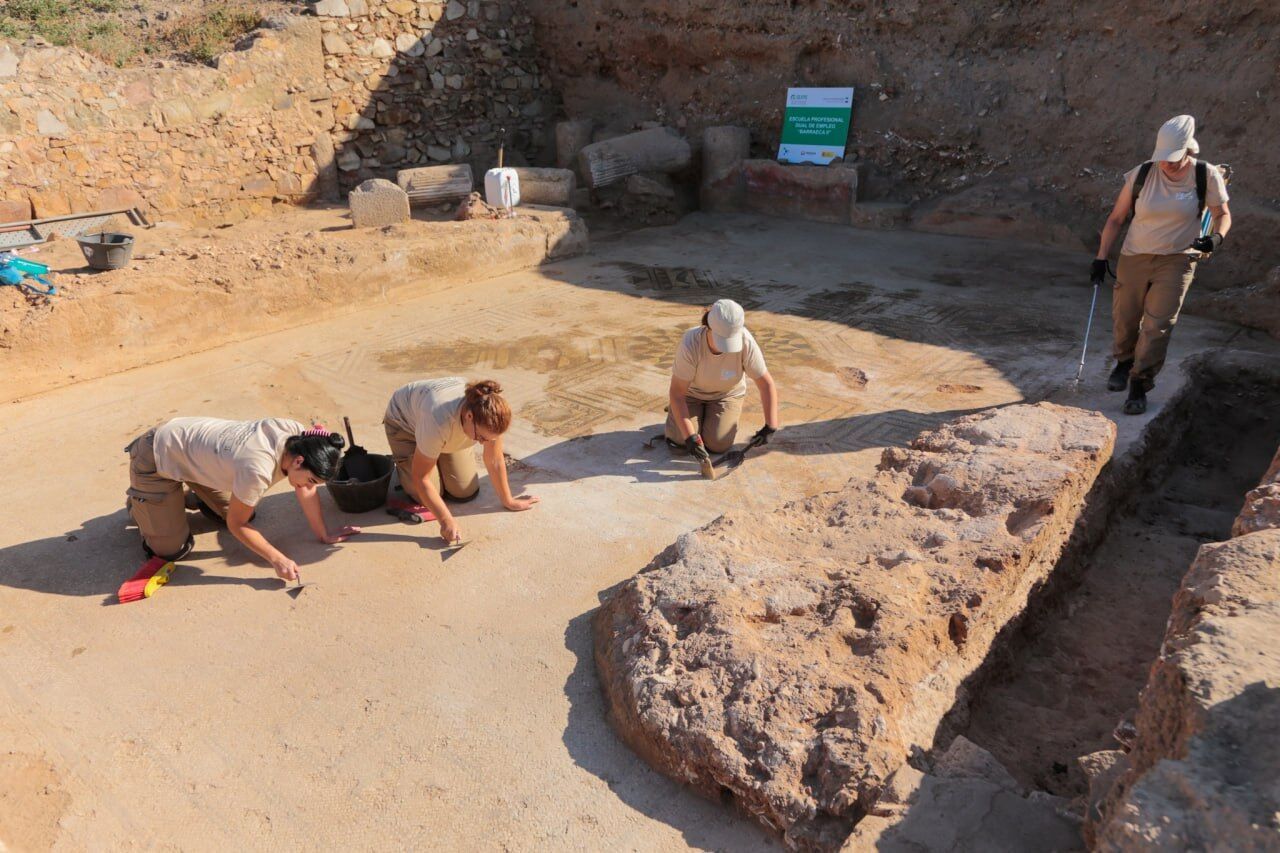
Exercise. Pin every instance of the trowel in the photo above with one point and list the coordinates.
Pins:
(297, 588)
(734, 458)
(453, 547)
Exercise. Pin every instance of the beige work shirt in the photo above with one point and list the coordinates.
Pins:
(240, 457)
(1167, 216)
(716, 377)
(431, 409)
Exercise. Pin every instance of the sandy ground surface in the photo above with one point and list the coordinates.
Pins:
(282, 271)
(408, 700)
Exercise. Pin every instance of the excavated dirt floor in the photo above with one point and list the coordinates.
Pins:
(1074, 671)
(402, 700)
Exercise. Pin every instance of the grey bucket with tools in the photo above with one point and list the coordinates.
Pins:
(107, 251)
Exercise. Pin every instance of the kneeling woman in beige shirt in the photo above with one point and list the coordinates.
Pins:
(432, 424)
(228, 465)
(709, 383)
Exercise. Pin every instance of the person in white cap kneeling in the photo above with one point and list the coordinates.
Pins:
(1158, 258)
(709, 383)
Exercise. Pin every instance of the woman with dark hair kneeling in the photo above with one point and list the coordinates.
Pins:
(432, 424)
(228, 465)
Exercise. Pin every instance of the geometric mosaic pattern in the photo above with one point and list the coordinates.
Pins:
(969, 358)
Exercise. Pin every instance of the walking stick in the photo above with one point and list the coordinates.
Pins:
(1093, 303)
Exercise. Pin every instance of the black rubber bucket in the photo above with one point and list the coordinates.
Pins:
(363, 495)
(107, 251)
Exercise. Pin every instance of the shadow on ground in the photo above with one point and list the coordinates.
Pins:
(103, 552)
(623, 452)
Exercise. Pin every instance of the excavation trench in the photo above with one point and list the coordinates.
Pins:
(1057, 686)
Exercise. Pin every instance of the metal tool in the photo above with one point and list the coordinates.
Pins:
(1075, 383)
(734, 458)
(297, 588)
(356, 459)
(32, 231)
(453, 547)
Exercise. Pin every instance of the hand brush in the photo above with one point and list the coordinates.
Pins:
(153, 575)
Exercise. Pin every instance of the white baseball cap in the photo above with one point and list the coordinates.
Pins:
(726, 319)
(1176, 139)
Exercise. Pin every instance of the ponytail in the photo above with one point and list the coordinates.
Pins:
(321, 451)
(487, 406)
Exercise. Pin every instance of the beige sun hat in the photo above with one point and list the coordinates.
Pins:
(1176, 139)
(726, 319)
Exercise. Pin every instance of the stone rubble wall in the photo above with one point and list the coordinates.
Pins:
(1203, 770)
(790, 663)
(422, 82)
(306, 107)
(217, 143)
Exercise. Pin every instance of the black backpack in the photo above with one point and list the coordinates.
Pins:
(1202, 184)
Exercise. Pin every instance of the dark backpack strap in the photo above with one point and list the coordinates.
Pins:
(1202, 182)
(1139, 180)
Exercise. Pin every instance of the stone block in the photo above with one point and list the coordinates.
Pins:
(802, 715)
(965, 759)
(348, 161)
(547, 186)
(654, 186)
(435, 184)
(15, 210)
(48, 124)
(947, 814)
(331, 8)
(118, 198)
(48, 202)
(1203, 768)
(8, 61)
(335, 44)
(410, 45)
(723, 148)
(880, 215)
(609, 161)
(816, 193)
(378, 202)
(454, 10)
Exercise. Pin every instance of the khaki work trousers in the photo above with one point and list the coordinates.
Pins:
(157, 504)
(456, 472)
(1148, 295)
(717, 422)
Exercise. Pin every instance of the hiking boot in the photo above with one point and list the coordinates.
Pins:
(182, 552)
(1137, 402)
(1119, 378)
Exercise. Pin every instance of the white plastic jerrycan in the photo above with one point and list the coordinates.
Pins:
(502, 188)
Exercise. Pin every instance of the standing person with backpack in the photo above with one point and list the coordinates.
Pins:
(1166, 196)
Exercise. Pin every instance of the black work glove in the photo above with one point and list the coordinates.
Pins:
(1207, 245)
(762, 434)
(694, 445)
(1098, 273)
